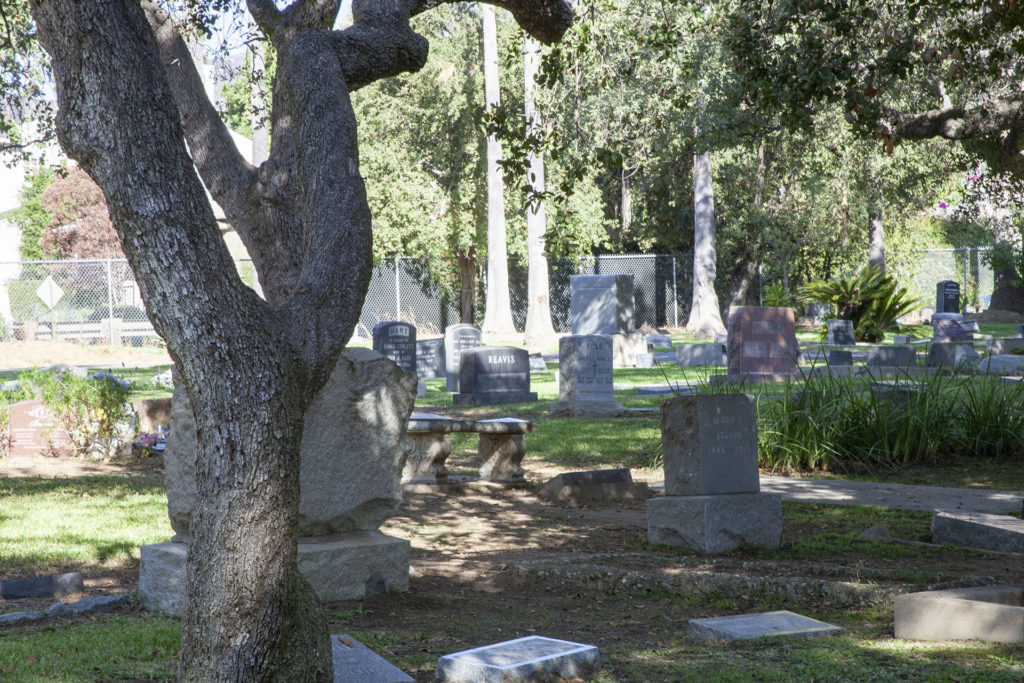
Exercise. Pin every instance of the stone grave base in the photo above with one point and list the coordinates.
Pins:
(625, 348)
(585, 409)
(990, 613)
(340, 567)
(494, 398)
(715, 524)
(999, 533)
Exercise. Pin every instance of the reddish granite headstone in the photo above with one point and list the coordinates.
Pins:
(34, 432)
(762, 343)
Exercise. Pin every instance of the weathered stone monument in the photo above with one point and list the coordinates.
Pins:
(533, 658)
(492, 375)
(601, 304)
(695, 355)
(947, 296)
(712, 501)
(840, 333)
(458, 338)
(397, 341)
(430, 358)
(354, 446)
(585, 377)
(949, 330)
(762, 344)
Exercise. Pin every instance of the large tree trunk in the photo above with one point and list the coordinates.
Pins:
(129, 98)
(498, 312)
(540, 332)
(1008, 294)
(705, 318)
(467, 286)
(745, 267)
(876, 239)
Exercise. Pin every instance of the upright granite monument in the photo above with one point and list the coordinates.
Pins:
(430, 358)
(601, 304)
(458, 338)
(585, 377)
(712, 500)
(352, 460)
(397, 341)
(840, 332)
(762, 344)
(947, 297)
(492, 375)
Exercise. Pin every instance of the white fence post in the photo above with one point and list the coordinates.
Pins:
(110, 300)
(398, 292)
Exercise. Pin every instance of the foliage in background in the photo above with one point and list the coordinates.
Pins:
(31, 217)
(93, 413)
(80, 226)
(871, 299)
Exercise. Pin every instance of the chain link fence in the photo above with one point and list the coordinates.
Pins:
(98, 301)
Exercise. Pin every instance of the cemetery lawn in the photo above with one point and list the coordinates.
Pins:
(495, 564)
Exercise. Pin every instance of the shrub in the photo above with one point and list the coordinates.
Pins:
(94, 413)
(872, 299)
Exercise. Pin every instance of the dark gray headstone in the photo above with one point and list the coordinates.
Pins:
(709, 445)
(490, 375)
(947, 296)
(42, 586)
(353, 661)
(840, 332)
(1020, 330)
(430, 358)
(949, 330)
(1006, 345)
(839, 357)
(397, 341)
(458, 338)
(585, 368)
(901, 339)
(892, 356)
(946, 354)
(659, 341)
(743, 626)
(601, 304)
(817, 313)
(533, 658)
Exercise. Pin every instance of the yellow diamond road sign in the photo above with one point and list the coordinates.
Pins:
(50, 292)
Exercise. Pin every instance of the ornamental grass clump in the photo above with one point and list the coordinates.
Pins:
(849, 424)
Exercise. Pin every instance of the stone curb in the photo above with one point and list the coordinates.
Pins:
(92, 605)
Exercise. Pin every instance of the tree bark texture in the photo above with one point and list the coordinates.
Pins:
(705, 316)
(129, 100)
(540, 332)
(498, 309)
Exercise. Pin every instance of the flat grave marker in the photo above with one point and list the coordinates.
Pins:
(353, 661)
(33, 431)
(745, 626)
(523, 659)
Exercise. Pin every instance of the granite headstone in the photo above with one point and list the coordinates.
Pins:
(601, 304)
(762, 343)
(430, 358)
(840, 332)
(397, 341)
(947, 296)
(458, 338)
(491, 375)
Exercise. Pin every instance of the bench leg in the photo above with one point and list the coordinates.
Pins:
(426, 462)
(501, 455)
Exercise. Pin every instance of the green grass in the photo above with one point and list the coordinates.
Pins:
(49, 524)
(102, 649)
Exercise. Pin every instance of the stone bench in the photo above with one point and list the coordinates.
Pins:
(501, 447)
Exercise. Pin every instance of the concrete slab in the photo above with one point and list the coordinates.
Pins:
(534, 658)
(746, 626)
(990, 613)
(715, 524)
(353, 661)
(979, 530)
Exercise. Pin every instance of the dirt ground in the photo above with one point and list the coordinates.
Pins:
(17, 355)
